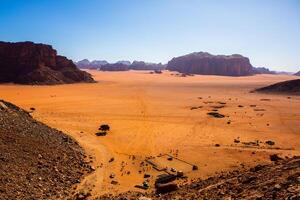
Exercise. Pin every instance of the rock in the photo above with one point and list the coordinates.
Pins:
(269, 142)
(113, 182)
(166, 188)
(277, 187)
(205, 63)
(112, 175)
(101, 133)
(275, 157)
(217, 145)
(104, 127)
(31, 63)
(195, 167)
(111, 160)
(147, 175)
(216, 114)
(144, 198)
(236, 141)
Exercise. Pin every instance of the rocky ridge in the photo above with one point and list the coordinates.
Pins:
(36, 161)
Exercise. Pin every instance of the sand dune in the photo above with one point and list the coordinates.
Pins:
(150, 114)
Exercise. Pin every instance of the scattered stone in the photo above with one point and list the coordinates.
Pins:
(275, 157)
(113, 182)
(111, 160)
(269, 142)
(147, 175)
(101, 133)
(112, 175)
(236, 141)
(217, 145)
(216, 114)
(104, 127)
(195, 167)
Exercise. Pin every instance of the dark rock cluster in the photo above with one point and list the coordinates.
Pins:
(31, 63)
(36, 161)
(207, 64)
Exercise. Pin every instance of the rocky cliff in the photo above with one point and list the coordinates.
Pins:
(207, 64)
(31, 63)
(297, 74)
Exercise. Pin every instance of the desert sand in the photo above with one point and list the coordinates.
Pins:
(153, 114)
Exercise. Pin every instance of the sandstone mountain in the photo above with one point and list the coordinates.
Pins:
(207, 64)
(297, 74)
(31, 63)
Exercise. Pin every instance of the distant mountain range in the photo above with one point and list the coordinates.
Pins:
(118, 66)
(193, 63)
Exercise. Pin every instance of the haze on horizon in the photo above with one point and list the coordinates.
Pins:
(155, 31)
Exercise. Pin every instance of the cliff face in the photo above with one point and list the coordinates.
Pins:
(30, 63)
(205, 63)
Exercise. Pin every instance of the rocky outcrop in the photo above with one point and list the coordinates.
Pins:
(297, 74)
(30, 63)
(207, 64)
(36, 161)
(285, 87)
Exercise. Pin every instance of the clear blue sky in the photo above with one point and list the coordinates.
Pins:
(266, 31)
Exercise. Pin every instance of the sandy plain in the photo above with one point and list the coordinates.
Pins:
(152, 114)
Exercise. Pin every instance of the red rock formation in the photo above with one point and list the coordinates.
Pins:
(30, 63)
(205, 63)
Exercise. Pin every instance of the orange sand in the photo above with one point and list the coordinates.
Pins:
(150, 114)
